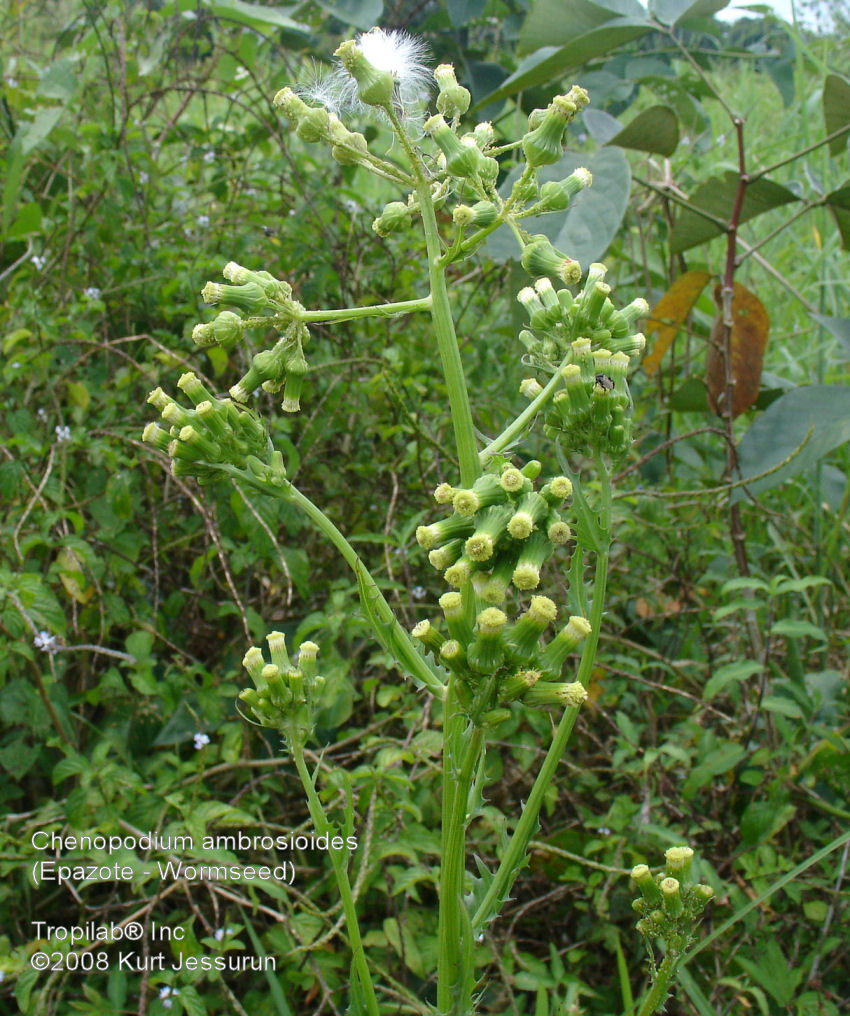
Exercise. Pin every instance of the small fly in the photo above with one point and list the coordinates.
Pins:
(604, 382)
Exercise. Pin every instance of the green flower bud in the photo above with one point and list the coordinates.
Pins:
(190, 384)
(536, 549)
(556, 195)
(250, 296)
(642, 876)
(486, 491)
(352, 152)
(428, 636)
(495, 718)
(512, 481)
(456, 617)
(441, 557)
(156, 436)
(463, 216)
(543, 145)
(253, 662)
(488, 170)
(490, 530)
(679, 861)
(532, 469)
(395, 216)
(459, 573)
(484, 134)
(486, 213)
(276, 642)
(557, 531)
(554, 655)
(444, 493)
(523, 640)
(487, 652)
(672, 896)
(443, 530)
(701, 896)
(453, 99)
(518, 684)
(225, 330)
(453, 655)
(530, 388)
(545, 693)
(557, 490)
(494, 587)
(531, 508)
(374, 87)
(540, 258)
(462, 160)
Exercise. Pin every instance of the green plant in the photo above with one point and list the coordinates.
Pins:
(484, 660)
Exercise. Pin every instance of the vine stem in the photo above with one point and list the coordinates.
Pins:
(317, 813)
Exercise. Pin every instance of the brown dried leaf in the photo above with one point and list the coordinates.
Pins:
(750, 325)
(669, 314)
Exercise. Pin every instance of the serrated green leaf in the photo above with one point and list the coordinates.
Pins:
(798, 585)
(716, 198)
(33, 133)
(783, 706)
(743, 583)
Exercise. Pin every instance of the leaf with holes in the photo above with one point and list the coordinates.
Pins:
(750, 325)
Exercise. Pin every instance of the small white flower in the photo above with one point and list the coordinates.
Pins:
(167, 1003)
(62, 432)
(241, 74)
(143, 177)
(209, 156)
(164, 991)
(201, 740)
(203, 221)
(218, 934)
(351, 207)
(2, 976)
(41, 413)
(604, 830)
(15, 364)
(46, 642)
(12, 83)
(91, 293)
(39, 261)
(419, 592)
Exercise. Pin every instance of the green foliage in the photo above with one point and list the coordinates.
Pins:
(140, 150)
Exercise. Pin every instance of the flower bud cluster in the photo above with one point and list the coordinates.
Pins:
(500, 533)
(316, 123)
(591, 343)
(544, 143)
(496, 662)
(213, 433)
(670, 905)
(285, 695)
(282, 367)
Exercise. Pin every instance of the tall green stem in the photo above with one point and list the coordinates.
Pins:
(317, 813)
(457, 779)
(655, 999)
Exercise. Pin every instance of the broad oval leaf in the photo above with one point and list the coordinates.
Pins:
(670, 12)
(836, 111)
(710, 208)
(838, 202)
(782, 433)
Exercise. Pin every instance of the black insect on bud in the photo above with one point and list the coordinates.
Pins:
(604, 382)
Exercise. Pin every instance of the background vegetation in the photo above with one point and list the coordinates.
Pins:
(142, 152)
